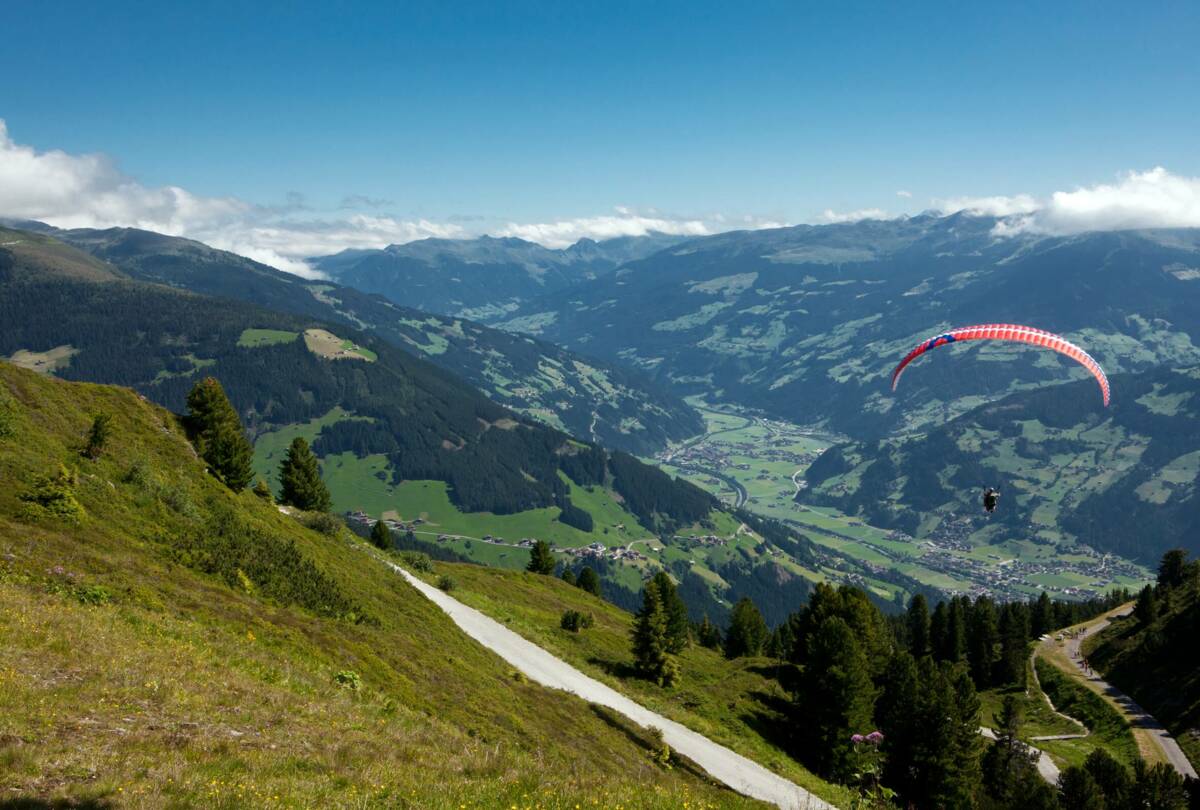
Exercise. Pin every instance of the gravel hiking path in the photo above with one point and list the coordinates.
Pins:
(732, 769)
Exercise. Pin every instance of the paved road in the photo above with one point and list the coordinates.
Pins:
(1138, 717)
(1045, 765)
(741, 774)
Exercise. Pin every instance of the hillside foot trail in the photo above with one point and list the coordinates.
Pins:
(732, 769)
(1144, 723)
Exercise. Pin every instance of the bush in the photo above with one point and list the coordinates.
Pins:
(348, 679)
(140, 475)
(322, 522)
(418, 561)
(53, 497)
(263, 491)
(575, 621)
(446, 583)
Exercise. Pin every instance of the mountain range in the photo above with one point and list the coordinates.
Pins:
(806, 323)
(483, 277)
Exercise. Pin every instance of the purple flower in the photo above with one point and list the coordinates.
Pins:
(57, 571)
(875, 737)
(857, 738)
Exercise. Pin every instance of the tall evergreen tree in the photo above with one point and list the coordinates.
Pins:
(651, 652)
(1146, 607)
(747, 630)
(568, 576)
(1010, 766)
(589, 581)
(708, 634)
(678, 630)
(918, 626)
(541, 559)
(1014, 645)
(896, 711)
(955, 644)
(1114, 779)
(1173, 570)
(300, 479)
(216, 431)
(1077, 790)
(836, 698)
(1041, 621)
(981, 641)
(381, 535)
(939, 627)
(98, 435)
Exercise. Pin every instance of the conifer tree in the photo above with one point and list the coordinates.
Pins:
(747, 630)
(541, 559)
(1041, 621)
(1146, 607)
(837, 697)
(300, 479)
(918, 626)
(263, 491)
(982, 638)
(708, 634)
(1009, 764)
(1172, 570)
(381, 536)
(954, 646)
(651, 652)
(1014, 645)
(216, 431)
(678, 634)
(589, 581)
(568, 576)
(98, 435)
(939, 626)
(1113, 778)
(1077, 790)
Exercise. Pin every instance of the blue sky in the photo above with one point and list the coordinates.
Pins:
(537, 112)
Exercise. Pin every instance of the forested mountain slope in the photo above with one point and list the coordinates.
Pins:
(1121, 479)
(476, 278)
(169, 643)
(366, 397)
(592, 399)
(808, 322)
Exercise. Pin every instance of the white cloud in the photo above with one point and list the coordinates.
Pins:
(905, 194)
(831, 217)
(1151, 199)
(997, 206)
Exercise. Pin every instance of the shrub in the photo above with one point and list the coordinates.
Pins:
(93, 595)
(575, 621)
(53, 496)
(323, 522)
(418, 561)
(8, 415)
(348, 679)
(140, 475)
(263, 491)
(446, 583)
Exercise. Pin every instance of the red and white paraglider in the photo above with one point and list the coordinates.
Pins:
(1013, 332)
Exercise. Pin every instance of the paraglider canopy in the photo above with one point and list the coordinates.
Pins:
(1013, 332)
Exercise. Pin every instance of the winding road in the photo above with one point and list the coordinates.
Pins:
(734, 770)
(1144, 723)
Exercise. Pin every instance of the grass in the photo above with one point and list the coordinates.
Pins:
(1109, 729)
(732, 702)
(255, 338)
(127, 678)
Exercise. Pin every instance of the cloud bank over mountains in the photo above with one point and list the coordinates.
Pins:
(90, 191)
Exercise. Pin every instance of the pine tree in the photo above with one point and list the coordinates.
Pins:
(1008, 765)
(263, 491)
(1113, 778)
(939, 626)
(837, 697)
(589, 581)
(1173, 570)
(1146, 607)
(216, 431)
(300, 479)
(678, 635)
(541, 559)
(1014, 645)
(981, 641)
(1077, 790)
(955, 643)
(381, 536)
(918, 626)
(896, 711)
(98, 435)
(708, 634)
(747, 630)
(568, 576)
(1042, 620)
(651, 652)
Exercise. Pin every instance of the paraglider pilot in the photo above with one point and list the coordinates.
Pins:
(990, 498)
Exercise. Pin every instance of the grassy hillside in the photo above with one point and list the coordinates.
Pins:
(736, 702)
(1158, 663)
(164, 642)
